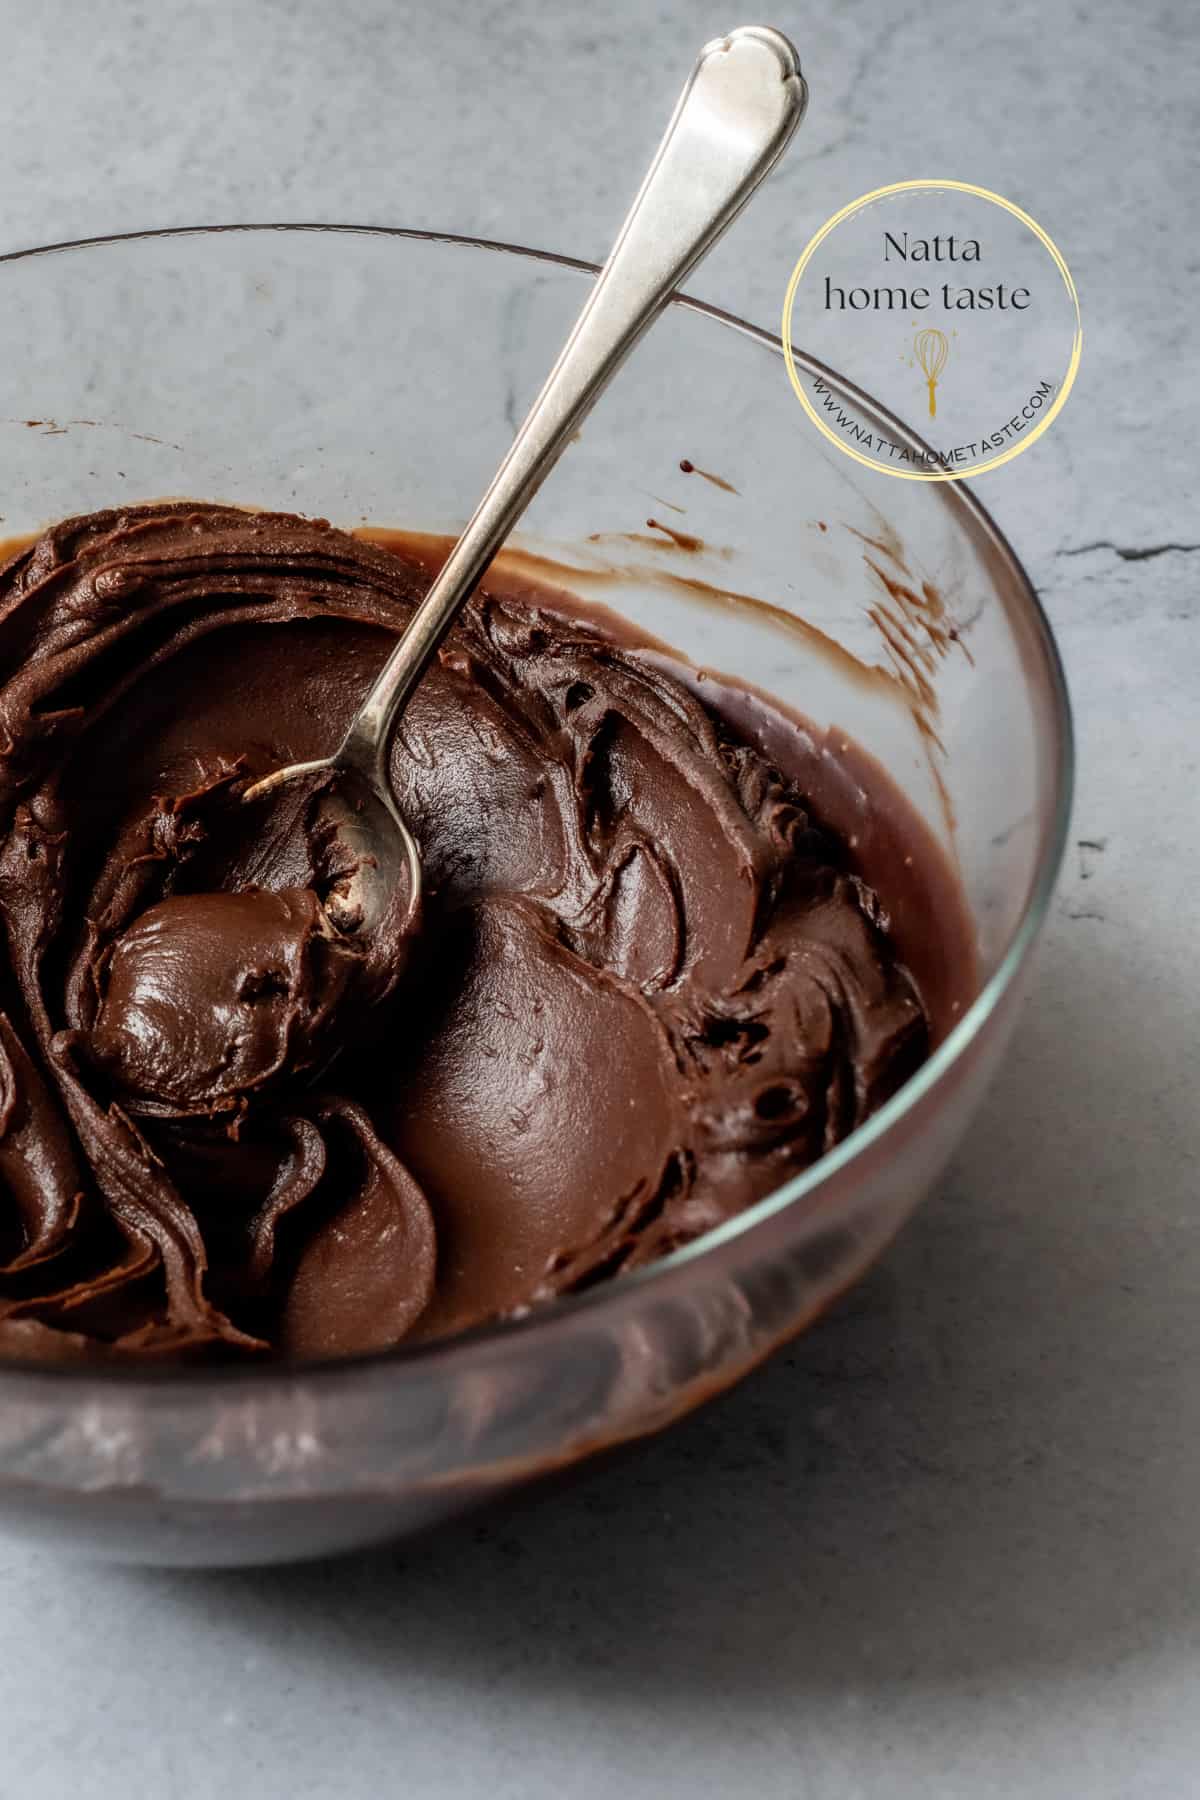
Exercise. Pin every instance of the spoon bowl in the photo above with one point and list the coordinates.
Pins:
(377, 864)
(383, 863)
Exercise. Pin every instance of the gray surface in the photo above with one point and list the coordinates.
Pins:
(947, 1546)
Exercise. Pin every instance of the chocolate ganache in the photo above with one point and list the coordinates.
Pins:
(647, 985)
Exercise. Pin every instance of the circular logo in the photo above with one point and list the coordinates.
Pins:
(949, 307)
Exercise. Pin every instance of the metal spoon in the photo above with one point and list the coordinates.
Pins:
(743, 101)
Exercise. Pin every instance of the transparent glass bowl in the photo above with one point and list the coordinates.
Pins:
(377, 376)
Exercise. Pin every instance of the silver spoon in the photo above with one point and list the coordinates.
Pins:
(743, 101)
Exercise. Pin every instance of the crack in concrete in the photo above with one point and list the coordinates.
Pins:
(1130, 552)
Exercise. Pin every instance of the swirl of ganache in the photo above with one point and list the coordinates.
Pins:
(648, 985)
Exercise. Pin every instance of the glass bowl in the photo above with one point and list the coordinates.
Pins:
(376, 376)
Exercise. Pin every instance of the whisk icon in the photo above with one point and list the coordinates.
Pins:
(932, 350)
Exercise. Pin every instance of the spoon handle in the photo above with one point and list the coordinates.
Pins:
(744, 99)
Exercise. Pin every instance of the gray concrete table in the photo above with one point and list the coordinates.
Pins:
(948, 1545)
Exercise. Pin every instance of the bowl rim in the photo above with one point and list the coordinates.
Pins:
(543, 1318)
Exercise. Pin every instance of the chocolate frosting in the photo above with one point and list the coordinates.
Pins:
(647, 986)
